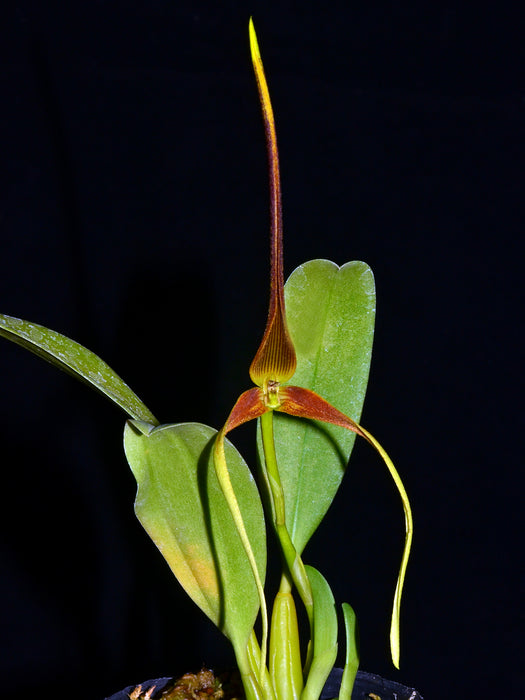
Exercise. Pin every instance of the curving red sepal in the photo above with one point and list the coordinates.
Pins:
(305, 403)
(248, 406)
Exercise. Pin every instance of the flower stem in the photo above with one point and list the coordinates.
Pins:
(293, 560)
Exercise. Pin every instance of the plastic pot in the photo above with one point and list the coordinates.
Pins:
(367, 685)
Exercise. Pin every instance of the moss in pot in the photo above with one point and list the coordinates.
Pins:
(207, 514)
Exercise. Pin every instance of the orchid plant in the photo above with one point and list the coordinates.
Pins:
(196, 496)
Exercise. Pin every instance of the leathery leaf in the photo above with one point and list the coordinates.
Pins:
(351, 655)
(75, 359)
(325, 635)
(180, 504)
(330, 312)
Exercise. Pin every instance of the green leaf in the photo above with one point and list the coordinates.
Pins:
(76, 360)
(352, 653)
(181, 505)
(325, 635)
(330, 312)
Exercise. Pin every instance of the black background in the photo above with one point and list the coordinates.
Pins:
(134, 218)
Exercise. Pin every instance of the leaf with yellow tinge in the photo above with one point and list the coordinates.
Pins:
(180, 504)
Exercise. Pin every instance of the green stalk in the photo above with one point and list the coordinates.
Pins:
(261, 690)
(291, 557)
(248, 668)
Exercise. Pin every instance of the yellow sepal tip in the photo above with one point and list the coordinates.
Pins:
(254, 46)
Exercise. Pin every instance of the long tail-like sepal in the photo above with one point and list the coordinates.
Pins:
(304, 403)
(250, 405)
